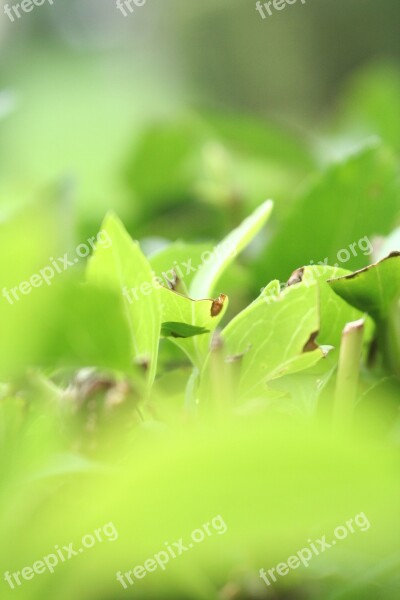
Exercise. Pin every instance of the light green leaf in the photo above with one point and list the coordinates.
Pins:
(268, 340)
(205, 280)
(303, 389)
(28, 237)
(298, 363)
(303, 377)
(121, 266)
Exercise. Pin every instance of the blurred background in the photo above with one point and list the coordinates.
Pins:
(183, 117)
(141, 113)
(79, 81)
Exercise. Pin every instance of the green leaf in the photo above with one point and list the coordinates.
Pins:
(335, 219)
(371, 105)
(262, 140)
(376, 290)
(303, 389)
(179, 262)
(335, 312)
(390, 244)
(299, 363)
(89, 328)
(162, 167)
(181, 330)
(268, 340)
(28, 237)
(304, 377)
(122, 267)
(246, 156)
(80, 326)
(197, 314)
(205, 280)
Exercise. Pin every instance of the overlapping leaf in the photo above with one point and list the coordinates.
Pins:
(376, 290)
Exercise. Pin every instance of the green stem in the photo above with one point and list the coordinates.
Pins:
(348, 375)
(391, 341)
(219, 383)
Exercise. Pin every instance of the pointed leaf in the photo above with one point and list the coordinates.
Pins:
(205, 280)
(376, 290)
(122, 267)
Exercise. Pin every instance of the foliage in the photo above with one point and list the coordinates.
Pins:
(170, 380)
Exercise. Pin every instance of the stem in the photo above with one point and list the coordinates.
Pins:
(218, 380)
(191, 393)
(391, 341)
(348, 375)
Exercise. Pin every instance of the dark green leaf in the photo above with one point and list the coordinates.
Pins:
(181, 330)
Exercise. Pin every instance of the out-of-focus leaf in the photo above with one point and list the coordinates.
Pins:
(261, 140)
(371, 105)
(179, 261)
(163, 165)
(389, 245)
(90, 328)
(246, 158)
(303, 389)
(7, 103)
(335, 220)
(29, 243)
